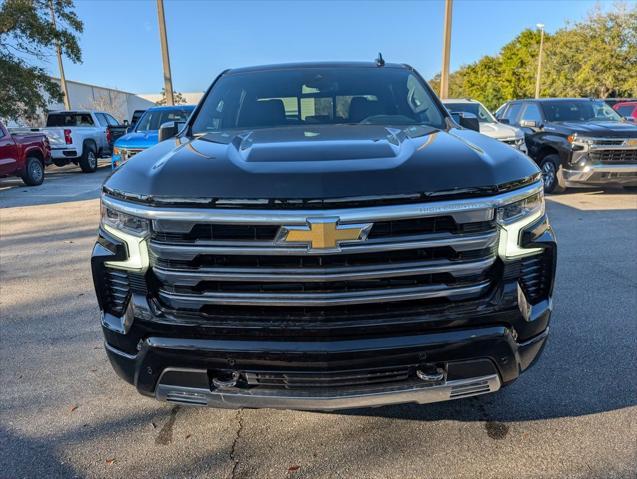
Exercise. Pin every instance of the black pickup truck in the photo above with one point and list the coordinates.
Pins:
(323, 236)
(576, 142)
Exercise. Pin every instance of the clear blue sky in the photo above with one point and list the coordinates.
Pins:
(120, 43)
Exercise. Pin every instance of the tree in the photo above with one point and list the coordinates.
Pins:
(596, 57)
(178, 98)
(27, 37)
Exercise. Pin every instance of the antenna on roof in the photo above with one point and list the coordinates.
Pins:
(379, 61)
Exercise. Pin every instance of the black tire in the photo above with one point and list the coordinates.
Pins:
(552, 174)
(33, 172)
(88, 161)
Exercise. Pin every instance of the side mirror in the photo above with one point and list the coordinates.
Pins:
(169, 129)
(466, 120)
(125, 123)
(529, 124)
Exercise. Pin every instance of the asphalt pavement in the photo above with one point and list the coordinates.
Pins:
(64, 412)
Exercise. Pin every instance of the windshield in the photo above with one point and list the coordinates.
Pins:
(151, 120)
(317, 96)
(579, 110)
(484, 116)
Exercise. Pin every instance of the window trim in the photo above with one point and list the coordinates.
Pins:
(526, 105)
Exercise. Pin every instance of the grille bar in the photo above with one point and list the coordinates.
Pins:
(196, 301)
(192, 278)
(459, 242)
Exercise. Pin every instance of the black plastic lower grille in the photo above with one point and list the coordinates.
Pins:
(336, 379)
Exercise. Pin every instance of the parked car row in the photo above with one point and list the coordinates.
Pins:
(576, 141)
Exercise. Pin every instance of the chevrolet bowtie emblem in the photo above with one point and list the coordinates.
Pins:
(631, 142)
(321, 234)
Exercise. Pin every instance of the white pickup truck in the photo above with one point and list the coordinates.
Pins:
(81, 137)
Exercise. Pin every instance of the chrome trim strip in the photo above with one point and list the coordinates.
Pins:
(179, 300)
(463, 211)
(193, 277)
(584, 175)
(114, 350)
(412, 392)
(457, 241)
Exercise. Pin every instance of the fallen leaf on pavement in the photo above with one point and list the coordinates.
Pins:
(73, 407)
(188, 436)
(110, 461)
(293, 468)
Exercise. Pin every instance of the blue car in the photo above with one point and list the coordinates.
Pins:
(145, 132)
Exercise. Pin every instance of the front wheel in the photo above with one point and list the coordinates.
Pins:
(34, 172)
(552, 174)
(88, 161)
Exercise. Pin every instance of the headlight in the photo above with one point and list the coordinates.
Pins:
(116, 151)
(124, 222)
(520, 209)
(513, 218)
(133, 231)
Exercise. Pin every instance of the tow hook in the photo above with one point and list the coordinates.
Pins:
(430, 374)
(226, 381)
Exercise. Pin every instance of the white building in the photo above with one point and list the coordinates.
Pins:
(120, 104)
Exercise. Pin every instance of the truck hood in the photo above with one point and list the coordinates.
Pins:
(319, 163)
(601, 129)
(142, 139)
(500, 131)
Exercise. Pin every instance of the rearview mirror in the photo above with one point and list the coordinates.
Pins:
(169, 129)
(466, 120)
(125, 122)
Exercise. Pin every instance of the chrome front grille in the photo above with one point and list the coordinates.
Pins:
(217, 264)
(200, 265)
(614, 156)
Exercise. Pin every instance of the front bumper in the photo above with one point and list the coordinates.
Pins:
(182, 370)
(477, 345)
(625, 174)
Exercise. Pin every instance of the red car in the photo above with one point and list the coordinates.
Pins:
(627, 109)
(24, 155)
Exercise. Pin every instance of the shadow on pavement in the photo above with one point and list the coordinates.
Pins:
(60, 185)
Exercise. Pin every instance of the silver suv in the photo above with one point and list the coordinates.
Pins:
(489, 126)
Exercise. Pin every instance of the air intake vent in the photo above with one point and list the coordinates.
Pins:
(470, 389)
(535, 276)
(118, 285)
(190, 398)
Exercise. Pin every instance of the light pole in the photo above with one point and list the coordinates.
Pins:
(168, 81)
(446, 50)
(67, 100)
(539, 61)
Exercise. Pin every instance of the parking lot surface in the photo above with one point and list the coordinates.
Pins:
(64, 412)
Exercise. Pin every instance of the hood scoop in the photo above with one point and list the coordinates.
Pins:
(318, 145)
